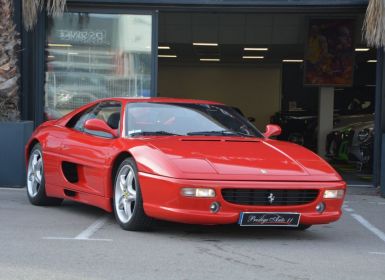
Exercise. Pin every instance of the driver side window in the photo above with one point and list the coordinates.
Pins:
(108, 112)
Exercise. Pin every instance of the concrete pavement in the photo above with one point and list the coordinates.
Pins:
(75, 241)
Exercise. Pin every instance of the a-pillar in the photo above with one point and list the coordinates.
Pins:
(325, 117)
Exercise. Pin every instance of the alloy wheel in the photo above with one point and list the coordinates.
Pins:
(35, 173)
(125, 193)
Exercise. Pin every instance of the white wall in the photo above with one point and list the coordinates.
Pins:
(255, 90)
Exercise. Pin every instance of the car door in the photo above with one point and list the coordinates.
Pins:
(85, 154)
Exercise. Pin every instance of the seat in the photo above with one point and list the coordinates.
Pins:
(114, 120)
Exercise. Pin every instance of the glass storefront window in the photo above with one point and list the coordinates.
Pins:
(91, 56)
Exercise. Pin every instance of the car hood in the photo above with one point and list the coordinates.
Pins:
(231, 158)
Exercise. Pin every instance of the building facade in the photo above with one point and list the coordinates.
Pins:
(104, 48)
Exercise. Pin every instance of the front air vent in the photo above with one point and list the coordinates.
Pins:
(200, 140)
(269, 197)
(219, 140)
(241, 140)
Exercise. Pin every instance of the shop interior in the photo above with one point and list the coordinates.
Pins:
(255, 62)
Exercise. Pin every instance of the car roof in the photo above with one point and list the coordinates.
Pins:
(159, 100)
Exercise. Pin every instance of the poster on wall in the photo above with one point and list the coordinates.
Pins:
(329, 53)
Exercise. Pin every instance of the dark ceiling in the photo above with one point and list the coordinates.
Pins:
(187, 53)
(283, 34)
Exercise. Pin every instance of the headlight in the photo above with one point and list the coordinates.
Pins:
(363, 135)
(334, 193)
(198, 192)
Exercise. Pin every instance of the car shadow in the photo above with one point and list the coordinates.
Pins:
(218, 233)
(77, 208)
(206, 233)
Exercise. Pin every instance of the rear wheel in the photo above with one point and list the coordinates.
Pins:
(127, 198)
(35, 180)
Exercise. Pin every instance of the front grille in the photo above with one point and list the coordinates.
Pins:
(269, 197)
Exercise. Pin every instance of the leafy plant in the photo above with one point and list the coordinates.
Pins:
(374, 24)
(10, 46)
(9, 72)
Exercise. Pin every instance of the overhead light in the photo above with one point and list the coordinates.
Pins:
(73, 53)
(252, 57)
(167, 55)
(210, 59)
(293, 60)
(362, 49)
(59, 45)
(51, 56)
(370, 85)
(255, 49)
(206, 44)
(372, 61)
(163, 47)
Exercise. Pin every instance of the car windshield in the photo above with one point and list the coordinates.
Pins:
(187, 119)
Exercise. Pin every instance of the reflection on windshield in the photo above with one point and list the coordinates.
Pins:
(165, 119)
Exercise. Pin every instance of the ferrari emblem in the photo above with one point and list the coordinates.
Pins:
(271, 198)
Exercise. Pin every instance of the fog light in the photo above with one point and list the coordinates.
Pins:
(320, 207)
(198, 192)
(214, 207)
(333, 193)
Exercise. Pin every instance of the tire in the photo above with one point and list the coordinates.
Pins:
(36, 181)
(302, 227)
(127, 199)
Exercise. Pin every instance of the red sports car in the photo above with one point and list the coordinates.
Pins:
(188, 161)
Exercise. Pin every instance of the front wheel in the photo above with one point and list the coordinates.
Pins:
(302, 227)
(35, 180)
(127, 198)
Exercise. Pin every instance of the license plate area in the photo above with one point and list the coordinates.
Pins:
(268, 219)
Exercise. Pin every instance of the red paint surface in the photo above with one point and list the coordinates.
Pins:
(168, 163)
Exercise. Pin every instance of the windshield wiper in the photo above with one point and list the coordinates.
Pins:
(160, 132)
(218, 133)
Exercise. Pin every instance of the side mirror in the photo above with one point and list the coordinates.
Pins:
(99, 125)
(272, 130)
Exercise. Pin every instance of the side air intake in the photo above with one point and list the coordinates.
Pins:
(70, 171)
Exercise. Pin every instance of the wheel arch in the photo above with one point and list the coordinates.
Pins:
(29, 148)
(115, 164)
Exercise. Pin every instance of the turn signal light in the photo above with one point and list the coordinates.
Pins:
(198, 192)
(334, 194)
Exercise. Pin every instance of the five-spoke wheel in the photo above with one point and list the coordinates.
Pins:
(127, 198)
(35, 179)
(125, 193)
(35, 172)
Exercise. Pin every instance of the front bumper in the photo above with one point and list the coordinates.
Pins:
(162, 200)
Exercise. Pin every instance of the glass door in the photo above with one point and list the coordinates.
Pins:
(94, 55)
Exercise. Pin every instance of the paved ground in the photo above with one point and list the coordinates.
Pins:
(81, 242)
